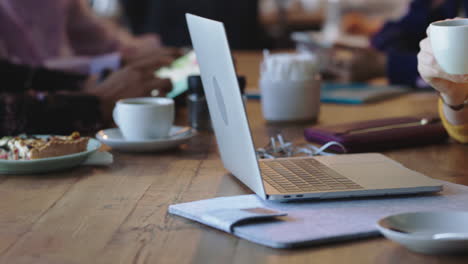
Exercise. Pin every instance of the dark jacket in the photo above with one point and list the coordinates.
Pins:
(36, 100)
(400, 39)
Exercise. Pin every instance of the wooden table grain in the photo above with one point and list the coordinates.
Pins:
(118, 214)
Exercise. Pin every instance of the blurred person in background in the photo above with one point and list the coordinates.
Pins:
(399, 39)
(167, 19)
(453, 91)
(34, 33)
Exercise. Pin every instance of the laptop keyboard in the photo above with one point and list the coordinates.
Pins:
(303, 175)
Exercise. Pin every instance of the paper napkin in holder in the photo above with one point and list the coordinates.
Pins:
(290, 87)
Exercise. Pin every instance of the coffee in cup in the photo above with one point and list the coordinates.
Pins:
(144, 118)
(449, 40)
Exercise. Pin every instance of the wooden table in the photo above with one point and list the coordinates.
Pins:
(118, 214)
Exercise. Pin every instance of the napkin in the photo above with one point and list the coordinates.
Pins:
(100, 158)
(289, 66)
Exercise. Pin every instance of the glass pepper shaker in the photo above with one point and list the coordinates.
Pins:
(199, 116)
(198, 113)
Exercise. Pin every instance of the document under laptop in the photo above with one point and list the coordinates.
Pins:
(285, 179)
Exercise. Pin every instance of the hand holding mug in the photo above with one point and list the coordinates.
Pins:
(443, 59)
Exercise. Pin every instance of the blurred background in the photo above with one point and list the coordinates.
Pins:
(250, 24)
(341, 31)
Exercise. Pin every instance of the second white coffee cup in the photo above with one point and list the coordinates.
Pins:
(144, 118)
(287, 100)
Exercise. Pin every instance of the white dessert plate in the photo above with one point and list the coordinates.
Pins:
(114, 139)
(48, 164)
(444, 232)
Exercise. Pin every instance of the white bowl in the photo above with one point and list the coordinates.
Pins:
(428, 232)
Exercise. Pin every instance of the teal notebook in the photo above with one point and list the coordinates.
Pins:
(354, 93)
(359, 93)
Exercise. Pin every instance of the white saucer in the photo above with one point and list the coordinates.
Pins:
(428, 232)
(113, 138)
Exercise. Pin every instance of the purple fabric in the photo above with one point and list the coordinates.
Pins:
(377, 140)
(32, 31)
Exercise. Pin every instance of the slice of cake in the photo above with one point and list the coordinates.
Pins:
(30, 147)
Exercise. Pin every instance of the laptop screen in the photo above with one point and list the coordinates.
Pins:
(225, 103)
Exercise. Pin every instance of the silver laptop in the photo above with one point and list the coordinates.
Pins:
(286, 178)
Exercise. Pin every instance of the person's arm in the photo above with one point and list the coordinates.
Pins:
(89, 34)
(398, 44)
(401, 68)
(458, 132)
(453, 90)
(92, 35)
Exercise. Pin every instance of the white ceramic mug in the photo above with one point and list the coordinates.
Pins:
(144, 118)
(290, 100)
(290, 87)
(449, 40)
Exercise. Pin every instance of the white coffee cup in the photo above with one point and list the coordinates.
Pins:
(290, 100)
(449, 40)
(144, 118)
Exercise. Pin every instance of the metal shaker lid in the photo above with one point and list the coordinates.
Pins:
(195, 85)
(242, 83)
